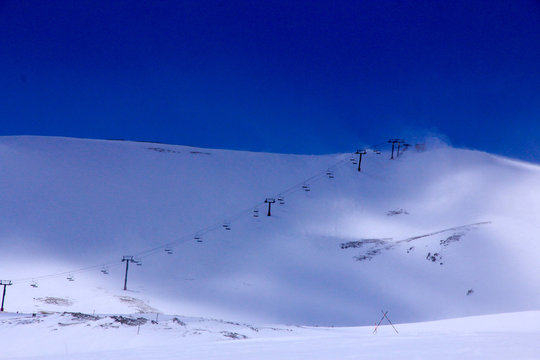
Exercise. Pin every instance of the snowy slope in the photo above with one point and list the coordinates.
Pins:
(412, 235)
(76, 336)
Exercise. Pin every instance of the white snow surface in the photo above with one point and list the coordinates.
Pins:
(74, 336)
(431, 235)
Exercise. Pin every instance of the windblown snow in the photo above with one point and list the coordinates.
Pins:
(430, 235)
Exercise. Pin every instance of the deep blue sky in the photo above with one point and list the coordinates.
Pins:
(283, 76)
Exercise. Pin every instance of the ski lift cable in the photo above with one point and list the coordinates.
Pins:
(183, 239)
(314, 179)
(65, 273)
(321, 174)
(216, 226)
(242, 213)
(149, 252)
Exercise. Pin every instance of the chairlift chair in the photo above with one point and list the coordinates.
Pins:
(256, 213)
(281, 200)
(105, 271)
(34, 284)
(330, 174)
(169, 250)
(227, 225)
(70, 277)
(306, 187)
(197, 238)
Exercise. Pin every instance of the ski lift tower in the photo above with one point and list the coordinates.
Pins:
(5, 283)
(127, 259)
(360, 153)
(394, 142)
(269, 201)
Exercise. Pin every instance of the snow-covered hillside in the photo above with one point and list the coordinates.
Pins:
(430, 235)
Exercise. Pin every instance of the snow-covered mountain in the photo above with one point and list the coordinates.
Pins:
(429, 235)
